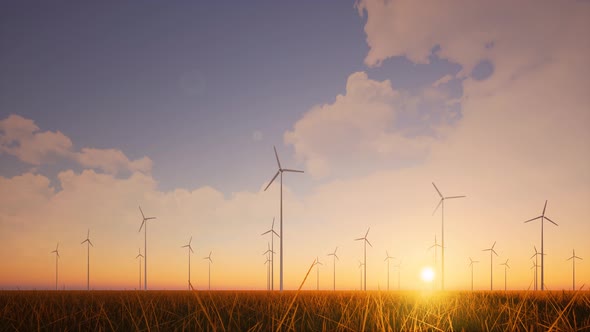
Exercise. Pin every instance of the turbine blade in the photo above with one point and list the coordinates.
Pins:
(533, 219)
(369, 242)
(277, 155)
(266, 232)
(292, 170)
(436, 208)
(90, 242)
(142, 215)
(551, 221)
(273, 223)
(360, 238)
(544, 207)
(275, 233)
(271, 181)
(438, 191)
(455, 197)
(140, 227)
(367, 233)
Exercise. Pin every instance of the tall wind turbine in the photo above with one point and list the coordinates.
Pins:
(280, 171)
(506, 267)
(335, 258)
(361, 270)
(88, 244)
(442, 202)
(190, 249)
(144, 221)
(56, 251)
(573, 259)
(136, 257)
(491, 250)
(542, 217)
(210, 261)
(471, 262)
(272, 255)
(365, 241)
(387, 258)
(317, 268)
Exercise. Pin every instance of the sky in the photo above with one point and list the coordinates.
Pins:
(176, 106)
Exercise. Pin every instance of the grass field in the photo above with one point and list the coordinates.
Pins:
(295, 311)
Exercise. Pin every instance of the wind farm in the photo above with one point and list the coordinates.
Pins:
(441, 129)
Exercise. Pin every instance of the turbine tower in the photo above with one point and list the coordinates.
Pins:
(335, 258)
(471, 262)
(387, 258)
(139, 256)
(442, 202)
(491, 250)
(144, 221)
(190, 249)
(573, 259)
(317, 264)
(88, 244)
(210, 261)
(280, 171)
(361, 270)
(506, 267)
(56, 251)
(543, 217)
(272, 255)
(365, 241)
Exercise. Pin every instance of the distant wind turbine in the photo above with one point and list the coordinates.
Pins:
(56, 251)
(144, 221)
(361, 270)
(387, 258)
(335, 258)
(573, 259)
(318, 263)
(534, 274)
(542, 217)
(88, 244)
(272, 255)
(536, 255)
(210, 261)
(491, 250)
(267, 263)
(269, 254)
(506, 267)
(435, 246)
(190, 249)
(442, 202)
(399, 278)
(280, 171)
(365, 241)
(471, 262)
(139, 256)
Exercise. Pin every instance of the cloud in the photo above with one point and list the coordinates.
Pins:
(23, 139)
(373, 122)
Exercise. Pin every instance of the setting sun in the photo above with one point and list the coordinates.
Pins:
(427, 274)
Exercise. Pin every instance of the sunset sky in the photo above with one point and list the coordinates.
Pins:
(176, 107)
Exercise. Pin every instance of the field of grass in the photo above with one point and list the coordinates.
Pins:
(293, 311)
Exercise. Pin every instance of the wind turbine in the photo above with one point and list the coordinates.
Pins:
(442, 202)
(399, 278)
(280, 171)
(88, 244)
(56, 251)
(435, 246)
(365, 241)
(272, 255)
(536, 255)
(506, 267)
(144, 221)
(190, 249)
(269, 253)
(542, 217)
(491, 250)
(335, 258)
(573, 259)
(318, 263)
(387, 258)
(534, 274)
(471, 261)
(139, 256)
(210, 261)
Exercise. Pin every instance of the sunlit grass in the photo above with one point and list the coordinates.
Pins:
(295, 311)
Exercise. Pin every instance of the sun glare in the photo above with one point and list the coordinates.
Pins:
(427, 274)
